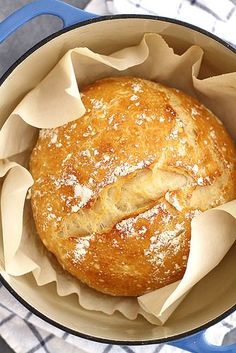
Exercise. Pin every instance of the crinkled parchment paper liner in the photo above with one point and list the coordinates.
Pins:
(56, 101)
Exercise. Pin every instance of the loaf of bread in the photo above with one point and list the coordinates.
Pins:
(115, 191)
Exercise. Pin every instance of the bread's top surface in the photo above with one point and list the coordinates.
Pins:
(126, 178)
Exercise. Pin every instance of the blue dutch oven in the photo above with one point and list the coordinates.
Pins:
(209, 301)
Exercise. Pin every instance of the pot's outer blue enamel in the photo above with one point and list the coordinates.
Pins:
(193, 340)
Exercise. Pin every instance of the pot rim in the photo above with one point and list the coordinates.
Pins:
(8, 286)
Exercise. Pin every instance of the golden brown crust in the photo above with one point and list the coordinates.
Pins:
(115, 190)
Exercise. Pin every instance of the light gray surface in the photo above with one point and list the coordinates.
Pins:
(17, 45)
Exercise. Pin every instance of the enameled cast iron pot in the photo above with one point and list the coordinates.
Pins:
(204, 306)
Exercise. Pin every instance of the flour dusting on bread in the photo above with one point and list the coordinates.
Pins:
(115, 190)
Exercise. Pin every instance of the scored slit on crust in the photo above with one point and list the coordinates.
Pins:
(139, 147)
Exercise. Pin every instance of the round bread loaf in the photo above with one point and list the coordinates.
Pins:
(115, 191)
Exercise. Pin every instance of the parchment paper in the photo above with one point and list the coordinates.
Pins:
(56, 101)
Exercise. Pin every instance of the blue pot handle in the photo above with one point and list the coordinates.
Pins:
(69, 15)
(198, 344)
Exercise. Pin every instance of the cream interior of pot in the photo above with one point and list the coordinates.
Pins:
(106, 37)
